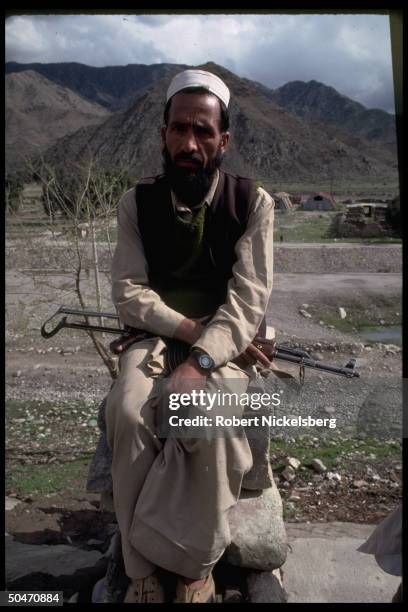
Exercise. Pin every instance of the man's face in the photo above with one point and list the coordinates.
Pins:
(193, 144)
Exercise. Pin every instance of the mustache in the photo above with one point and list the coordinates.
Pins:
(186, 157)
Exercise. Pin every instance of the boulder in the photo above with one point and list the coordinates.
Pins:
(258, 536)
(51, 568)
(260, 475)
(266, 587)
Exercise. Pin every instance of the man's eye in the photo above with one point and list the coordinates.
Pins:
(203, 131)
(179, 128)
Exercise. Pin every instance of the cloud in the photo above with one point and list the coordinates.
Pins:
(349, 52)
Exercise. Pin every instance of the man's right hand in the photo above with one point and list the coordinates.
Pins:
(251, 356)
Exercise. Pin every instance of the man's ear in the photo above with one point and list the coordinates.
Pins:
(224, 141)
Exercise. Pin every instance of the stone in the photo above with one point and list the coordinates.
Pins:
(11, 502)
(305, 314)
(318, 465)
(260, 475)
(36, 527)
(51, 568)
(258, 535)
(333, 476)
(266, 587)
(289, 473)
(358, 484)
(342, 313)
(232, 596)
(293, 462)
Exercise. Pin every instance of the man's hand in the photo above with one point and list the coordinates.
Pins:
(251, 356)
(187, 377)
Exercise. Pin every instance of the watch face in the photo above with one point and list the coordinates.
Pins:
(205, 362)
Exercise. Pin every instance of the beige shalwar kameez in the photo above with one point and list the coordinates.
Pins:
(171, 497)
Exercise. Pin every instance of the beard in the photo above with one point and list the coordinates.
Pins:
(190, 185)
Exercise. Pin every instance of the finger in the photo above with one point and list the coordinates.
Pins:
(258, 355)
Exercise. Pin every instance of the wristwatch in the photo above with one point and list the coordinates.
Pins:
(203, 359)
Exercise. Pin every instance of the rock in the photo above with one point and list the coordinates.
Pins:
(289, 473)
(95, 543)
(266, 587)
(342, 313)
(305, 314)
(232, 596)
(293, 462)
(74, 598)
(51, 568)
(358, 484)
(330, 409)
(260, 475)
(294, 497)
(258, 536)
(36, 527)
(16, 374)
(11, 502)
(319, 466)
(333, 476)
(305, 306)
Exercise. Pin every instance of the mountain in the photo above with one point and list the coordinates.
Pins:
(116, 87)
(112, 87)
(39, 112)
(318, 102)
(268, 142)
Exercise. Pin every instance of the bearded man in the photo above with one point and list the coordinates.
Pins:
(193, 263)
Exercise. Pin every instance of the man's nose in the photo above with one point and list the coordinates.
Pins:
(189, 142)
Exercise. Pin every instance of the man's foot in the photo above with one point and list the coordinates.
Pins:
(202, 591)
(145, 590)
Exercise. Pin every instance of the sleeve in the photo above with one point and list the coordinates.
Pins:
(236, 322)
(137, 304)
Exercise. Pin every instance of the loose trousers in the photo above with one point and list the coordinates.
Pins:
(171, 496)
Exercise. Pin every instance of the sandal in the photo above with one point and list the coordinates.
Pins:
(145, 590)
(204, 594)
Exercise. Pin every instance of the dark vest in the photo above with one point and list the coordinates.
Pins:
(226, 221)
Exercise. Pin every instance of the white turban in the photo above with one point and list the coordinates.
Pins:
(199, 78)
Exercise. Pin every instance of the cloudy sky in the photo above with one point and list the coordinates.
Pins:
(351, 53)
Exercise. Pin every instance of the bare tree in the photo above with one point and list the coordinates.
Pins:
(83, 201)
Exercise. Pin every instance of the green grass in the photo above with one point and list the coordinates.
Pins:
(359, 318)
(337, 188)
(314, 226)
(300, 226)
(304, 450)
(44, 479)
(49, 446)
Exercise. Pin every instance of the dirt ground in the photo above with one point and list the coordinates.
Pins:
(53, 388)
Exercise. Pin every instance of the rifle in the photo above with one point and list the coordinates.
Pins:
(129, 335)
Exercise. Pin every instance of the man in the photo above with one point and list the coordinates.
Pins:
(193, 262)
